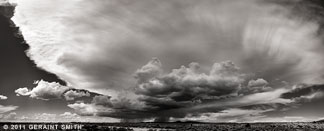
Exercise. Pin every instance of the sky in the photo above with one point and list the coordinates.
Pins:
(152, 60)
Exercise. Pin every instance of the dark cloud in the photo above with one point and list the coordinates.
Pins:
(184, 85)
(272, 106)
(7, 8)
(189, 93)
(304, 91)
(105, 106)
(102, 100)
(183, 92)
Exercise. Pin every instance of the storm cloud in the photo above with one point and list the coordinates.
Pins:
(100, 46)
(184, 92)
(304, 92)
(184, 85)
(115, 37)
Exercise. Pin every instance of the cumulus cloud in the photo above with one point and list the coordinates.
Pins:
(22, 91)
(257, 83)
(10, 116)
(52, 90)
(102, 100)
(184, 85)
(101, 105)
(2, 97)
(149, 71)
(166, 96)
(182, 92)
(69, 115)
(44, 90)
(84, 109)
(255, 86)
(72, 94)
(45, 116)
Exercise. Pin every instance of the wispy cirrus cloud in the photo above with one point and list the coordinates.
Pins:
(4, 109)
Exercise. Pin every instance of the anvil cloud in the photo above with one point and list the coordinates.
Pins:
(246, 49)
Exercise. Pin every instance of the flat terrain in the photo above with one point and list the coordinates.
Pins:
(297, 126)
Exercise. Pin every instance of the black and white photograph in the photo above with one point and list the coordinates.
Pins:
(162, 65)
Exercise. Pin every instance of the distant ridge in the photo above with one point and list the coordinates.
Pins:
(320, 121)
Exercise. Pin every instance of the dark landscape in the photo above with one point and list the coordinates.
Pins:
(179, 126)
